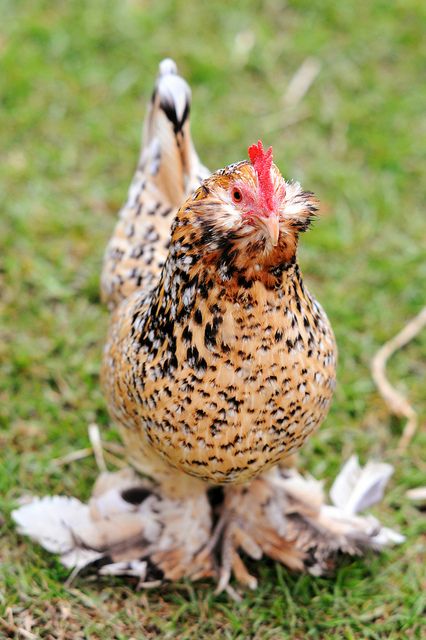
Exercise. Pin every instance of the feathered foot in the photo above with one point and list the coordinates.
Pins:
(283, 515)
(128, 528)
(136, 527)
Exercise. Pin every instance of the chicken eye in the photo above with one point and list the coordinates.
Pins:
(237, 196)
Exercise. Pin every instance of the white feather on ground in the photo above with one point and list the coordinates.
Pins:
(356, 489)
(128, 529)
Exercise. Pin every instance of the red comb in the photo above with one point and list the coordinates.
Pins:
(262, 162)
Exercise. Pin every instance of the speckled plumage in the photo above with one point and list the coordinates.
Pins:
(218, 365)
(226, 364)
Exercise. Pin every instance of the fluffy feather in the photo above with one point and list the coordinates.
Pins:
(128, 529)
(357, 488)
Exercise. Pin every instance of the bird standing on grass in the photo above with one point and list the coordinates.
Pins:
(218, 365)
(219, 362)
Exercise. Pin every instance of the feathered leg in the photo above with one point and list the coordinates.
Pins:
(167, 523)
(284, 516)
(135, 527)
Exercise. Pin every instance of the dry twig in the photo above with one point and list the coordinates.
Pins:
(11, 627)
(301, 82)
(417, 495)
(395, 401)
(72, 457)
(96, 442)
(113, 451)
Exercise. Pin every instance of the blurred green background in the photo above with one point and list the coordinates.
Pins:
(74, 79)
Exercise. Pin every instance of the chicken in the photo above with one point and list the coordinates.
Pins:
(219, 363)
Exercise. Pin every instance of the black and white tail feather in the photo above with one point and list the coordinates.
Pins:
(168, 171)
(167, 149)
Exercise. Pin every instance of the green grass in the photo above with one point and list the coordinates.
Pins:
(71, 81)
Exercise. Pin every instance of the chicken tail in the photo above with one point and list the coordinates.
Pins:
(168, 154)
(168, 171)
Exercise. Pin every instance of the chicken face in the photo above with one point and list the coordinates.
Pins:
(250, 209)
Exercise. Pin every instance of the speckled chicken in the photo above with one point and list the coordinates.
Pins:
(219, 362)
(218, 366)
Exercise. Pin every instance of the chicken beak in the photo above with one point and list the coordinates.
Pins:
(271, 224)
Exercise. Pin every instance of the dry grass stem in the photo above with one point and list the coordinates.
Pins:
(96, 442)
(396, 402)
